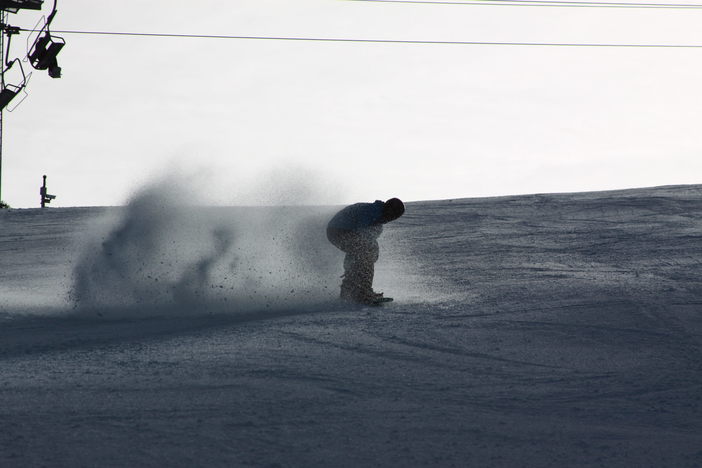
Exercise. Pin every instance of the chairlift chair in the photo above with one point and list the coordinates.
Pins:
(13, 6)
(8, 94)
(10, 91)
(43, 52)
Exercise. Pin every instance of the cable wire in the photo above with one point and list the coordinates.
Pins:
(378, 41)
(546, 3)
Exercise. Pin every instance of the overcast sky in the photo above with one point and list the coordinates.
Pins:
(356, 121)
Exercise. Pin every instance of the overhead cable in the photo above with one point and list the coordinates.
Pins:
(381, 41)
(545, 3)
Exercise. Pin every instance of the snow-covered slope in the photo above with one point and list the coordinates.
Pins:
(545, 330)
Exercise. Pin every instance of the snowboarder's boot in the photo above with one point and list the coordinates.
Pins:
(358, 298)
(353, 293)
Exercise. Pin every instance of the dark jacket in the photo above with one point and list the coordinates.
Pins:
(358, 216)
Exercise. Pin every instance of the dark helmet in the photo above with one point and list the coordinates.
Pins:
(393, 209)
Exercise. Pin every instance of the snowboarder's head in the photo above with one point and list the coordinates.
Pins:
(393, 209)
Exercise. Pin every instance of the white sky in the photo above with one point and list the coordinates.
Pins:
(357, 121)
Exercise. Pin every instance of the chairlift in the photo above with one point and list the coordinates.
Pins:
(10, 91)
(42, 54)
(43, 51)
(13, 6)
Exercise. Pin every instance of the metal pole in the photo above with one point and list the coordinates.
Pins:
(3, 14)
(42, 192)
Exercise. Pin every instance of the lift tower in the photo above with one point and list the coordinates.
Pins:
(41, 55)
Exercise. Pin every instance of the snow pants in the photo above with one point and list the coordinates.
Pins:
(362, 251)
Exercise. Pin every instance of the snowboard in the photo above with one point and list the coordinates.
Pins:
(382, 300)
(377, 303)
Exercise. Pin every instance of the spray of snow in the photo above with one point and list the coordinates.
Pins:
(167, 251)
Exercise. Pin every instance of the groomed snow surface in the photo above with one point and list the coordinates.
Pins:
(539, 331)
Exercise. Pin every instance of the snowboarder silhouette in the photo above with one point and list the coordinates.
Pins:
(355, 231)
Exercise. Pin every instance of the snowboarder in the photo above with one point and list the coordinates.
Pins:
(355, 231)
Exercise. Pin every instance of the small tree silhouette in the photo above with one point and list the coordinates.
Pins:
(3, 205)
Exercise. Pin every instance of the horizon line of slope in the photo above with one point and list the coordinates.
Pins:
(631, 191)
